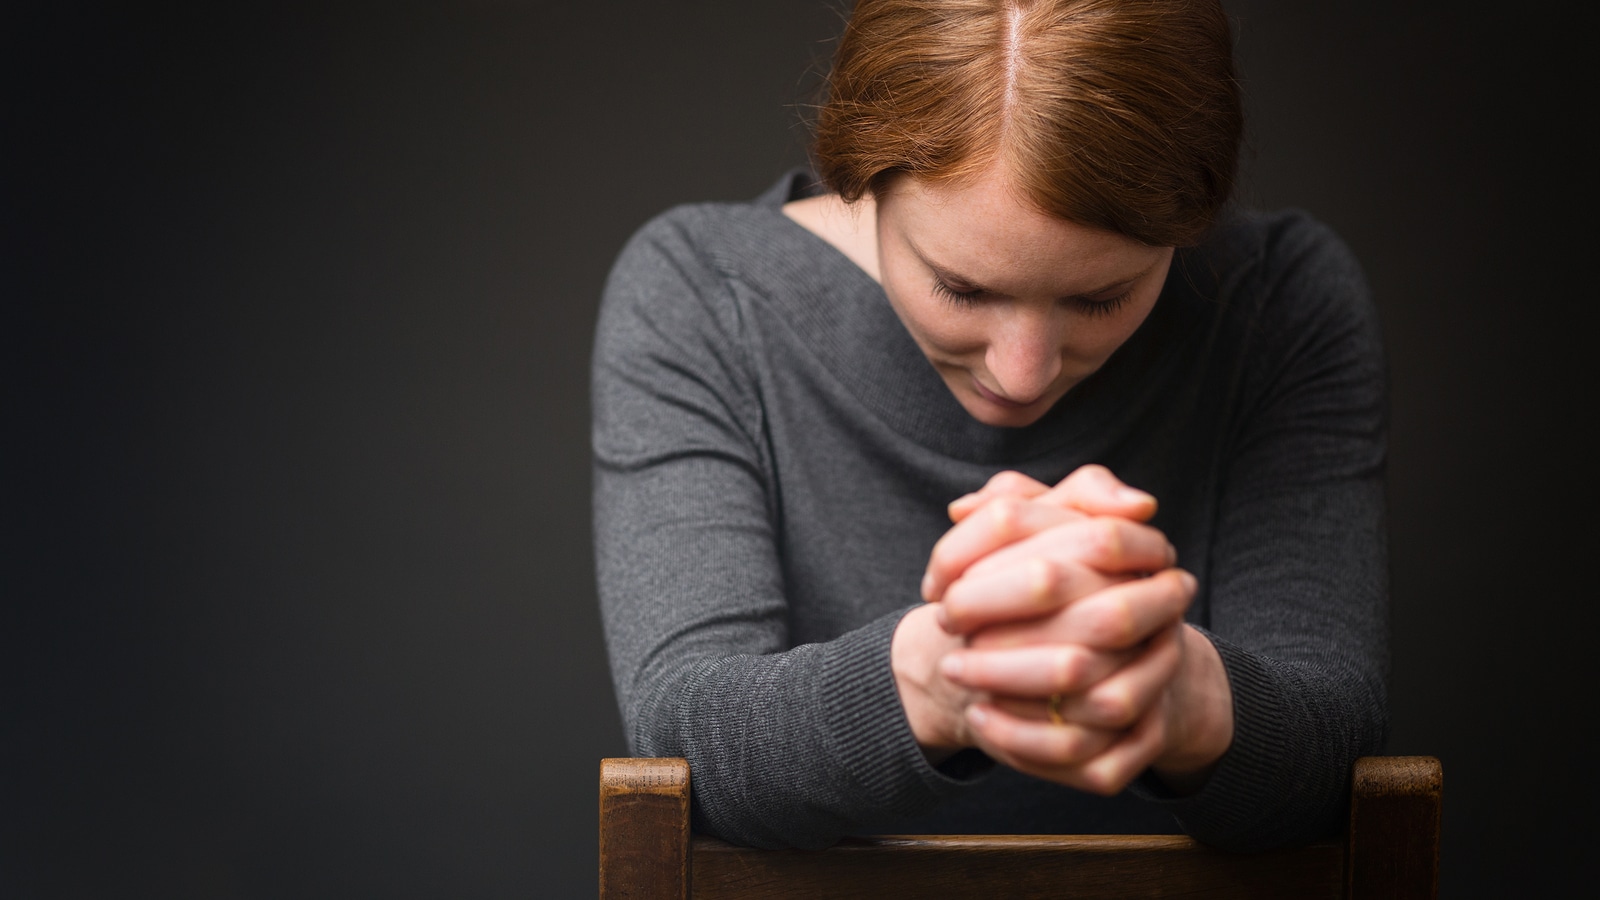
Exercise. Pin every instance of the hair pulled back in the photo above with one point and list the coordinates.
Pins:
(1116, 114)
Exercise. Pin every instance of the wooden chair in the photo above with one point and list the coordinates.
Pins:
(647, 851)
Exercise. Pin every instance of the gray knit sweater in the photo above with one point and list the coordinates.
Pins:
(773, 457)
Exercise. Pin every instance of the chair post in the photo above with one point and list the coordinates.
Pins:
(644, 829)
(1395, 804)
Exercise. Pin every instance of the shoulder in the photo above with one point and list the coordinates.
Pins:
(679, 313)
(722, 270)
(1286, 261)
(691, 243)
(670, 352)
(680, 272)
(712, 243)
(1297, 320)
(1291, 277)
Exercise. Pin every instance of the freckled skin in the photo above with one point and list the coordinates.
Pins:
(1034, 331)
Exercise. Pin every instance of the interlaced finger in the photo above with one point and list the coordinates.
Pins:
(1035, 587)
(1113, 618)
(1033, 672)
(1099, 761)
(1002, 484)
(1104, 543)
(1121, 699)
(1014, 739)
(1094, 490)
(1002, 521)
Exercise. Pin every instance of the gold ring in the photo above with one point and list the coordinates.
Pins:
(1054, 707)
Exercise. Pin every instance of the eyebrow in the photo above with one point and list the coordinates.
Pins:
(967, 284)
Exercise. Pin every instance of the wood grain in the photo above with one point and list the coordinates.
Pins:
(644, 829)
(930, 867)
(1395, 803)
(647, 851)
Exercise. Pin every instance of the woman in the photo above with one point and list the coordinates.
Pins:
(1015, 302)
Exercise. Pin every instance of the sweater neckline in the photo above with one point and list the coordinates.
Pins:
(841, 314)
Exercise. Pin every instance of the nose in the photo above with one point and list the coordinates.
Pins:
(1024, 357)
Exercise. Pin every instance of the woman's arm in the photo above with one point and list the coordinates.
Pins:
(1297, 589)
(789, 746)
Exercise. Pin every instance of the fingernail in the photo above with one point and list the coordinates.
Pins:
(1189, 581)
(951, 667)
(942, 617)
(927, 586)
(960, 506)
(1132, 495)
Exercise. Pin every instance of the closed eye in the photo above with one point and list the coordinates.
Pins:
(1097, 308)
(955, 297)
(1092, 308)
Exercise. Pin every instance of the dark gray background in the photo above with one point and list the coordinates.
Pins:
(296, 579)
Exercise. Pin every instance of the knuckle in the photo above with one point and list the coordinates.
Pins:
(1005, 515)
(1117, 626)
(1066, 743)
(1187, 586)
(1089, 472)
(1044, 578)
(1099, 780)
(1105, 538)
(1177, 596)
(955, 606)
(1063, 671)
(1115, 707)
(1009, 481)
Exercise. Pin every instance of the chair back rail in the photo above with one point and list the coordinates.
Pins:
(647, 851)
(1020, 866)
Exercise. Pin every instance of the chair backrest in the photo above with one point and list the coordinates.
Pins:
(647, 851)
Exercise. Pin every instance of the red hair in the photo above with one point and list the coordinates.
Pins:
(1116, 114)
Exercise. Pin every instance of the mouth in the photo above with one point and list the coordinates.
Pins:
(996, 399)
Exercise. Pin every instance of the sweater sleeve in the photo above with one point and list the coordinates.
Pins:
(1297, 590)
(787, 746)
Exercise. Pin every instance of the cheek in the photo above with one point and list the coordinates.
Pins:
(949, 330)
(1094, 339)
(935, 323)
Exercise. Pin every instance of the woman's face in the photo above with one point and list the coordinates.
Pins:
(1012, 307)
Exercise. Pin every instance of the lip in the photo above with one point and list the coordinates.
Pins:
(996, 399)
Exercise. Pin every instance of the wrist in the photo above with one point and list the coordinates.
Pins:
(1201, 710)
(932, 704)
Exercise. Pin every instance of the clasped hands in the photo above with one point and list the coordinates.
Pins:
(1053, 640)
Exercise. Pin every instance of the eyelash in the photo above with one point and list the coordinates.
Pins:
(958, 298)
(1094, 308)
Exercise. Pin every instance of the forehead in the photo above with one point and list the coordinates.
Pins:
(984, 230)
